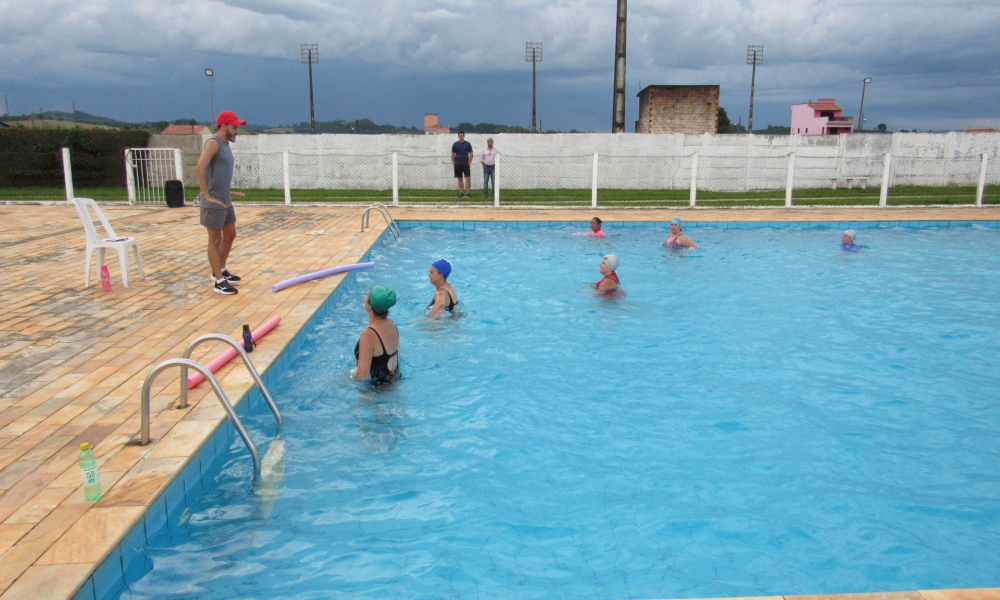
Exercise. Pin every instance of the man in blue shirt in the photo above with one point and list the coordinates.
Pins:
(461, 158)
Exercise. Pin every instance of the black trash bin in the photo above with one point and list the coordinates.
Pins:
(174, 191)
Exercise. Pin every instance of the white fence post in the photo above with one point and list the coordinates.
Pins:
(178, 166)
(593, 185)
(883, 197)
(790, 179)
(694, 179)
(129, 176)
(288, 178)
(496, 183)
(395, 179)
(67, 175)
(981, 188)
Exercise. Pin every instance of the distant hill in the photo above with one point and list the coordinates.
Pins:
(363, 126)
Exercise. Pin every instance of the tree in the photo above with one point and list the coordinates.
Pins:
(724, 122)
(881, 127)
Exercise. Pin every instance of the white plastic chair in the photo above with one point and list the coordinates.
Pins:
(96, 242)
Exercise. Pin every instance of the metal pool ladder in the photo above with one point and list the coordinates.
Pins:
(185, 364)
(382, 208)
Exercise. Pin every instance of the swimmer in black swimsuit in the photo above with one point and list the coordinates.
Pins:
(380, 335)
(445, 296)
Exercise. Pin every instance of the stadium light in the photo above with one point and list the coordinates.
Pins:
(533, 54)
(310, 54)
(755, 56)
(211, 101)
(861, 112)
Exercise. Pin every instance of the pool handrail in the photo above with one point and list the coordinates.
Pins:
(182, 402)
(190, 364)
(382, 208)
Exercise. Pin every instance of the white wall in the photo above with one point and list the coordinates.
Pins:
(726, 162)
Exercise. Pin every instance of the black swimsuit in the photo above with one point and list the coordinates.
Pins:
(450, 306)
(380, 372)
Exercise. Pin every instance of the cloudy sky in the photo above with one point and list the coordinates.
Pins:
(934, 63)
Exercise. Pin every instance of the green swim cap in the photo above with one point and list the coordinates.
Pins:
(381, 298)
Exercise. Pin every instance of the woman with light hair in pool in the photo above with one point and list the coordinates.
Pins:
(609, 264)
(677, 240)
(377, 350)
(848, 241)
(445, 297)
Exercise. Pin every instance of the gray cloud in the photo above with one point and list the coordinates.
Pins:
(917, 50)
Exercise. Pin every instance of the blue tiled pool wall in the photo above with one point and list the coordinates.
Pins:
(473, 225)
(127, 563)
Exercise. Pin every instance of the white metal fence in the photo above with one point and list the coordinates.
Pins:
(147, 170)
(586, 179)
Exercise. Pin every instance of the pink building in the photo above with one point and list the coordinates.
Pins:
(823, 117)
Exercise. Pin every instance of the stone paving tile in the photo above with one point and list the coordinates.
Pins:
(73, 359)
(964, 594)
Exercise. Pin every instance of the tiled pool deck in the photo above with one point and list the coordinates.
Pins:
(72, 359)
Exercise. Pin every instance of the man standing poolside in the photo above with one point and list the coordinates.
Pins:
(461, 158)
(489, 167)
(215, 178)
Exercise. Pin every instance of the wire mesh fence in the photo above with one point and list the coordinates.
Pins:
(565, 180)
(547, 180)
(643, 180)
(991, 189)
(951, 181)
(842, 180)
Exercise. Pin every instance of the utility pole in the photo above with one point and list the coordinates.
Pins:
(755, 56)
(74, 108)
(211, 100)
(6, 106)
(618, 110)
(861, 112)
(310, 54)
(533, 54)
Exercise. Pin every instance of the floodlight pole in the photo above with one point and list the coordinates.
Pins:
(533, 54)
(618, 107)
(755, 56)
(861, 111)
(310, 54)
(211, 95)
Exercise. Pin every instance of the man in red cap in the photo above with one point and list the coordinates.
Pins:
(215, 178)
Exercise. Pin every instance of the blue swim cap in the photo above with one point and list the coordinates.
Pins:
(676, 220)
(443, 266)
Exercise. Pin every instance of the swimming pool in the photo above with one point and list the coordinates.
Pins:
(767, 415)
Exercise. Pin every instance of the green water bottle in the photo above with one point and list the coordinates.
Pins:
(91, 480)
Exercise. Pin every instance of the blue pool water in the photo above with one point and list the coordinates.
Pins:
(767, 415)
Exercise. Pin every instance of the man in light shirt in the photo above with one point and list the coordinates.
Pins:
(489, 160)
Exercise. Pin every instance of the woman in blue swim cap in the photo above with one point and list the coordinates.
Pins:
(445, 297)
(677, 240)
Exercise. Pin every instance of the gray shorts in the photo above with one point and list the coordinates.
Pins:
(214, 217)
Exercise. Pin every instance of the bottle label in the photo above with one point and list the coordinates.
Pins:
(90, 477)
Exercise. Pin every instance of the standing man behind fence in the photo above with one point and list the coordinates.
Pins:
(215, 178)
(489, 167)
(461, 158)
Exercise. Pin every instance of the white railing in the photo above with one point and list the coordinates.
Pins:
(595, 179)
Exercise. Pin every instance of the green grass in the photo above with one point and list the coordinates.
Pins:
(903, 195)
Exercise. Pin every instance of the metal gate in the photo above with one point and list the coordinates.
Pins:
(147, 169)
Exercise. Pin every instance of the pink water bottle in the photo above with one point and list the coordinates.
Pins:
(105, 279)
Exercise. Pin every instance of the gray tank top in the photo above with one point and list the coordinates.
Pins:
(220, 175)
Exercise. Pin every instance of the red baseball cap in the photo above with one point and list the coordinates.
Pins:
(228, 117)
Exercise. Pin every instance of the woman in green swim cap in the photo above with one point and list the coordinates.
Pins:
(377, 350)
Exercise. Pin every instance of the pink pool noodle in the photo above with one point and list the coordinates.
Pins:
(318, 274)
(196, 377)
